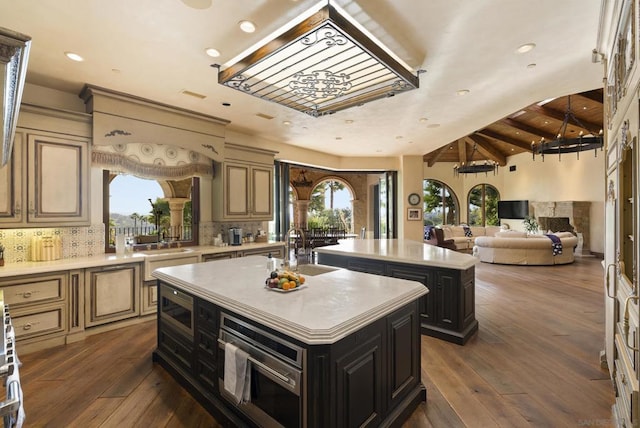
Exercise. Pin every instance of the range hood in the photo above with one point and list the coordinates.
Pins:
(14, 53)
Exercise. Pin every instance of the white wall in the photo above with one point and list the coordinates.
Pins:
(566, 180)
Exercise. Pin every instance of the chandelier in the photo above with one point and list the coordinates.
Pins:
(321, 65)
(563, 144)
(475, 168)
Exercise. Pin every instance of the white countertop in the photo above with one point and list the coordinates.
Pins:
(401, 251)
(27, 268)
(330, 306)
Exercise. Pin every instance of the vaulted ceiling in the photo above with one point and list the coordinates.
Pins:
(514, 134)
(155, 49)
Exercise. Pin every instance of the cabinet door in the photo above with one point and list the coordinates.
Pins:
(236, 190)
(58, 180)
(111, 294)
(149, 296)
(447, 300)
(11, 185)
(359, 385)
(262, 192)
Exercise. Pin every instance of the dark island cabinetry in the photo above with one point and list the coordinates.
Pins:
(447, 311)
(369, 378)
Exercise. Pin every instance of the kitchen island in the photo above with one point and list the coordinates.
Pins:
(448, 311)
(347, 344)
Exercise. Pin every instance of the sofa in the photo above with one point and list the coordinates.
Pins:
(459, 238)
(518, 248)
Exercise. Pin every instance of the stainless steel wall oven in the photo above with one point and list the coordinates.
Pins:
(277, 368)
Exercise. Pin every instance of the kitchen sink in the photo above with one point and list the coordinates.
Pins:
(312, 270)
(167, 257)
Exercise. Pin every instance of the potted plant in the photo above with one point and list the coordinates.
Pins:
(530, 225)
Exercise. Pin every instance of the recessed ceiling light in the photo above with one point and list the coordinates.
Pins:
(348, 121)
(423, 119)
(338, 138)
(462, 92)
(398, 137)
(74, 56)
(527, 47)
(532, 65)
(286, 123)
(212, 52)
(247, 26)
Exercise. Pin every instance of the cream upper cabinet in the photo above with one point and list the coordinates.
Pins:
(46, 182)
(245, 183)
(58, 180)
(11, 186)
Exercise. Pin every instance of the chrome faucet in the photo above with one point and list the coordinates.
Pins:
(287, 246)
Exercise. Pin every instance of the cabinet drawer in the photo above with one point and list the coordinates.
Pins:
(49, 288)
(207, 316)
(207, 374)
(177, 347)
(207, 343)
(219, 256)
(627, 399)
(31, 324)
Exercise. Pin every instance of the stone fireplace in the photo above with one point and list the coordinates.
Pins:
(576, 211)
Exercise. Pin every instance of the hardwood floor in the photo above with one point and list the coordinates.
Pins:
(533, 363)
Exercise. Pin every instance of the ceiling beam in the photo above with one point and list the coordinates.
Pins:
(557, 115)
(485, 148)
(505, 139)
(595, 95)
(462, 151)
(436, 155)
(528, 129)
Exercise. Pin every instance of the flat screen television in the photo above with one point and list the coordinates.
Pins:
(513, 209)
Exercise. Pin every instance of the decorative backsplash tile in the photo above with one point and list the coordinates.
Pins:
(76, 241)
(89, 241)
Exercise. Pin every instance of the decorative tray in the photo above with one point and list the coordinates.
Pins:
(280, 290)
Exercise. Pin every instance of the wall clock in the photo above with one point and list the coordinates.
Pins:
(414, 199)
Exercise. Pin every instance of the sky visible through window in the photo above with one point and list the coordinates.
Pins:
(129, 194)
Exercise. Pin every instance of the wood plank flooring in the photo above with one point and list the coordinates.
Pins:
(534, 363)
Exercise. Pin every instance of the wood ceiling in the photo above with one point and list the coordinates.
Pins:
(515, 133)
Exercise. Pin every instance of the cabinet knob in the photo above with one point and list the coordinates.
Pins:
(26, 294)
(27, 326)
(17, 210)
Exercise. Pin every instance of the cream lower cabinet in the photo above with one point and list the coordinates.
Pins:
(111, 294)
(149, 298)
(38, 305)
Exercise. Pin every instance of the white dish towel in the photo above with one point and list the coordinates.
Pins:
(237, 373)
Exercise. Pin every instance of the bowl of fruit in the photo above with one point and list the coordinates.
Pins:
(284, 281)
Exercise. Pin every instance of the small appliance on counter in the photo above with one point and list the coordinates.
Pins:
(235, 236)
(45, 248)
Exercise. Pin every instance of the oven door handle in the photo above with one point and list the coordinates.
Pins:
(271, 371)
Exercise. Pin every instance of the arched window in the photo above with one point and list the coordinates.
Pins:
(440, 204)
(483, 206)
(331, 205)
